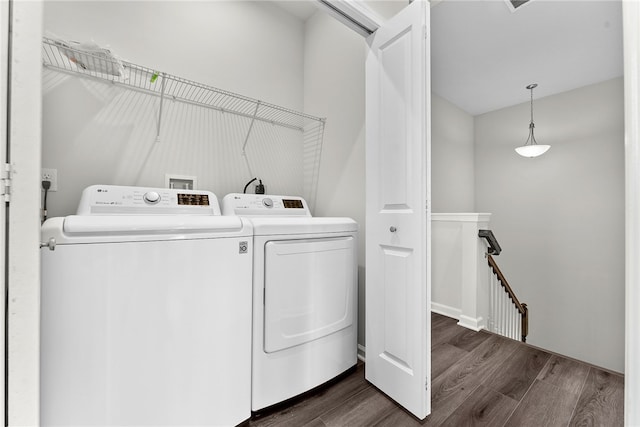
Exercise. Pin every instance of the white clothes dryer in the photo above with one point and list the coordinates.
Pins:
(304, 296)
(146, 311)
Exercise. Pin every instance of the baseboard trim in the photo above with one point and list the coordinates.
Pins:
(471, 323)
(445, 310)
(362, 352)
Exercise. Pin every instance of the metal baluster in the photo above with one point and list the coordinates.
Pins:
(509, 312)
(513, 321)
(510, 321)
(492, 303)
(505, 316)
(502, 313)
(498, 307)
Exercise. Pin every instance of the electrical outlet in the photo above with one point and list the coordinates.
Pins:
(52, 176)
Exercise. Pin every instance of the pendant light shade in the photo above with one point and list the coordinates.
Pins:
(531, 148)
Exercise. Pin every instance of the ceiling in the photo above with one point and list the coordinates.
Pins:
(483, 54)
(302, 9)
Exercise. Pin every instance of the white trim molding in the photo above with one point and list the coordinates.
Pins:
(473, 323)
(446, 310)
(23, 254)
(461, 217)
(4, 80)
(353, 14)
(631, 34)
(362, 353)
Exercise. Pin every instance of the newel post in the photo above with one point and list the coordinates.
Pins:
(475, 283)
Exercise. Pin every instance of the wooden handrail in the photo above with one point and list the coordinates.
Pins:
(505, 285)
(522, 308)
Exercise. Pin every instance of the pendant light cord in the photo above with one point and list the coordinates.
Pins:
(531, 139)
(531, 90)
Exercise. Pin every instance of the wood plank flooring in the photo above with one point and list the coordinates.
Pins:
(478, 379)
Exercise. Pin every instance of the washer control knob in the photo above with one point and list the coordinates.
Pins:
(151, 197)
(267, 202)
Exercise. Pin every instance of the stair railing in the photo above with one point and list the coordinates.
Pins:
(507, 315)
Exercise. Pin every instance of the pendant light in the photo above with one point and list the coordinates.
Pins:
(531, 148)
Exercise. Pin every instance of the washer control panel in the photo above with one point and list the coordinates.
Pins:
(261, 204)
(123, 200)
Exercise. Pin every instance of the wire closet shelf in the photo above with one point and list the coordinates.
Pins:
(100, 64)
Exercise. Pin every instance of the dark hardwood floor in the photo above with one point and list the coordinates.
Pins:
(478, 379)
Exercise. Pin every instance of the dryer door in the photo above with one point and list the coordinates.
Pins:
(310, 288)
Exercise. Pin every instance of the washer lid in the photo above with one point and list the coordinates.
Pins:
(155, 224)
(126, 228)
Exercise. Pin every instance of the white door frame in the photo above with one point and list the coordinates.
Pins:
(4, 76)
(24, 100)
(631, 34)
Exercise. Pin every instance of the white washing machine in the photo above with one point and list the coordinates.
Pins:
(146, 311)
(304, 296)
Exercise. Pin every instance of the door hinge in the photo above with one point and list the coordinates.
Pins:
(5, 185)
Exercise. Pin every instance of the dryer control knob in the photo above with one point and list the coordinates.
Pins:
(267, 202)
(152, 197)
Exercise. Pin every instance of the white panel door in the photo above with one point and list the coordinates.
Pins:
(398, 333)
(4, 73)
(23, 217)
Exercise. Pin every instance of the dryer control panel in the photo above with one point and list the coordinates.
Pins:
(123, 200)
(264, 204)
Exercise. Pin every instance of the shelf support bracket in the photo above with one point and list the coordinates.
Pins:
(160, 109)
(246, 139)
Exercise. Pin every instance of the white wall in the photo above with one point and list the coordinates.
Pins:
(334, 88)
(452, 164)
(459, 274)
(386, 9)
(560, 217)
(249, 47)
(102, 134)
